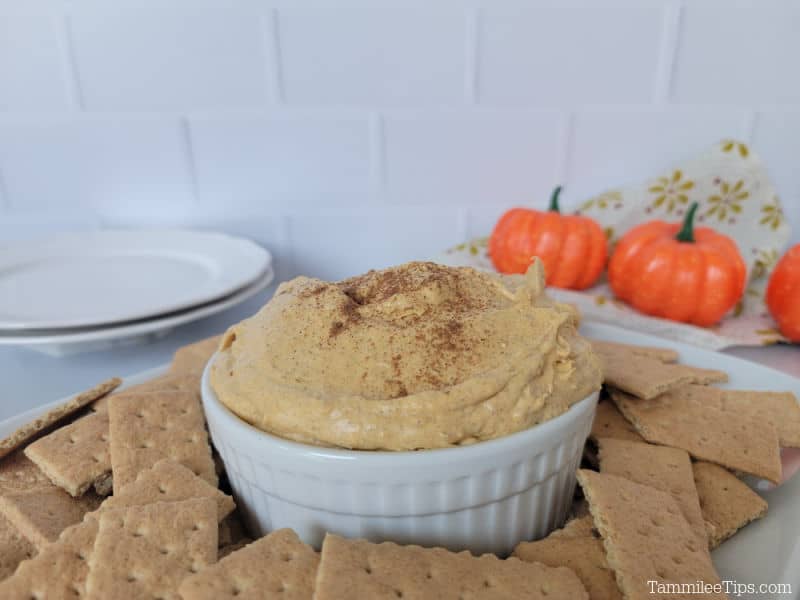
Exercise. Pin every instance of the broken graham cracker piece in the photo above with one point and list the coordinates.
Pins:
(184, 382)
(14, 548)
(706, 432)
(360, 569)
(146, 551)
(19, 473)
(36, 427)
(146, 428)
(42, 514)
(646, 537)
(75, 457)
(578, 527)
(660, 467)
(728, 504)
(278, 565)
(610, 423)
(58, 571)
(169, 481)
(665, 355)
(193, 358)
(583, 554)
(646, 377)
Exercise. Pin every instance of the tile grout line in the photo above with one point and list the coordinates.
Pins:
(5, 201)
(668, 52)
(69, 63)
(191, 163)
(471, 53)
(270, 26)
(749, 124)
(377, 156)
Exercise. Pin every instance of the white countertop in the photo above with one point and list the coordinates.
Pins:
(29, 379)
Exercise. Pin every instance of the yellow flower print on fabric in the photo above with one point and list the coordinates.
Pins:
(772, 214)
(734, 146)
(671, 192)
(610, 199)
(728, 202)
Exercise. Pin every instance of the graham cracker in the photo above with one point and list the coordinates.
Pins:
(58, 571)
(14, 548)
(360, 569)
(578, 527)
(646, 377)
(226, 549)
(646, 537)
(146, 428)
(232, 530)
(146, 551)
(583, 554)
(42, 514)
(728, 504)
(168, 481)
(184, 382)
(706, 432)
(18, 473)
(104, 484)
(75, 457)
(36, 427)
(609, 423)
(666, 355)
(660, 467)
(193, 358)
(278, 565)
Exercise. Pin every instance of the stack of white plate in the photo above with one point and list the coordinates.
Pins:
(89, 291)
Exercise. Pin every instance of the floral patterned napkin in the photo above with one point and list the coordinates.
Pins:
(736, 198)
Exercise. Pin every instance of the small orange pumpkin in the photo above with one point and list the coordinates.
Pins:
(783, 294)
(571, 247)
(677, 271)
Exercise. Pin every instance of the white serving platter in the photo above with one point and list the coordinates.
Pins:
(765, 552)
(107, 277)
(74, 341)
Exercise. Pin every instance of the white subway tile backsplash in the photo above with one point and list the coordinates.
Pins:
(469, 157)
(372, 56)
(267, 160)
(549, 54)
(338, 243)
(31, 64)
(611, 148)
(739, 52)
(109, 163)
(164, 57)
(777, 141)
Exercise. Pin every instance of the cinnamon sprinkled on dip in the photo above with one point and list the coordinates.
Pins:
(412, 357)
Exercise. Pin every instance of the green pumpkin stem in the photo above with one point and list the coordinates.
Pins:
(554, 200)
(686, 234)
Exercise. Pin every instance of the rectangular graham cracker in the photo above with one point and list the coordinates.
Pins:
(171, 382)
(14, 548)
(193, 358)
(646, 537)
(647, 377)
(75, 457)
(36, 427)
(609, 423)
(42, 514)
(18, 473)
(583, 554)
(360, 569)
(706, 432)
(728, 504)
(660, 467)
(146, 551)
(278, 565)
(58, 571)
(146, 428)
(168, 481)
(665, 355)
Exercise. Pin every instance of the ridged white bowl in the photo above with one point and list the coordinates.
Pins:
(486, 497)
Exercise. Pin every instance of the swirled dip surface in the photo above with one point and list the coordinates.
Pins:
(415, 356)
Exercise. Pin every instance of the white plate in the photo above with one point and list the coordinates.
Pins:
(106, 277)
(766, 551)
(74, 341)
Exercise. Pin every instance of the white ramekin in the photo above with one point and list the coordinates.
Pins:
(486, 497)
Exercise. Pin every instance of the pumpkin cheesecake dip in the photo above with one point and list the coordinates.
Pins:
(417, 356)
